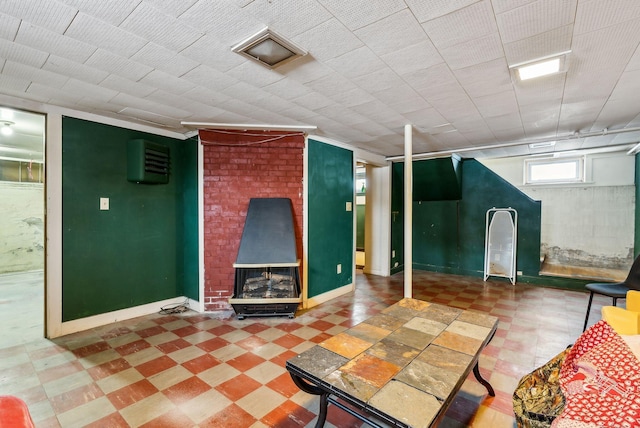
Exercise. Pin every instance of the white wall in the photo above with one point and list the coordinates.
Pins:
(587, 224)
(22, 231)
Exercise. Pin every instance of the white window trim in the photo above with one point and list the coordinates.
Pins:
(580, 178)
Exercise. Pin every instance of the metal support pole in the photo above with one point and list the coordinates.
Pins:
(408, 211)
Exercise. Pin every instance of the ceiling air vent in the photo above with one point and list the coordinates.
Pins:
(147, 162)
(269, 49)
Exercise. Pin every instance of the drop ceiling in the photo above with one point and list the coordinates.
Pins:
(371, 67)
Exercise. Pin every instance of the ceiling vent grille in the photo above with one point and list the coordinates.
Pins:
(269, 49)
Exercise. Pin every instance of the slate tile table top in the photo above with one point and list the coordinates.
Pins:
(402, 367)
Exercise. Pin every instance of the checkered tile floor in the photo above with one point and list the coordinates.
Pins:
(209, 370)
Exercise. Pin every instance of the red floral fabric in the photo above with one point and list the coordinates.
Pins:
(600, 379)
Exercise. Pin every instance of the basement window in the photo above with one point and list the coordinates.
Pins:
(554, 170)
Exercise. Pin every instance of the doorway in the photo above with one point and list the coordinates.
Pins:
(361, 200)
(22, 208)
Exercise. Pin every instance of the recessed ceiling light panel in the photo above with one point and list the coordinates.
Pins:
(545, 66)
(269, 49)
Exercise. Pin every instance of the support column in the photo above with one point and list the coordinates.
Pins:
(408, 211)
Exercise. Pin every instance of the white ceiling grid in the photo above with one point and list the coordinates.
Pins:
(372, 67)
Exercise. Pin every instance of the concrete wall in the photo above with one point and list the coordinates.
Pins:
(22, 229)
(587, 224)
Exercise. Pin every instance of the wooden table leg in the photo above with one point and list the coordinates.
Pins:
(479, 378)
(315, 390)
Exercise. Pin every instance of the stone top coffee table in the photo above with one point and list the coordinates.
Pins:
(402, 367)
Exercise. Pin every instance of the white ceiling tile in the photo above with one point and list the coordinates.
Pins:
(410, 104)
(127, 86)
(209, 78)
(49, 14)
(275, 104)
(53, 95)
(426, 119)
(498, 104)
(378, 80)
(79, 71)
(352, 97)
(149, 106)
(470, 23)
(8, 26)
(486, 78)
(159, 57)
(455, 108)
(509, 134)
(413, 58)
(255, 74)
(55, 43)
(22, 54)
(13, 83)
(287, 89)
(114, 64)
(313, 101)
(112, 11)
(433, 82)
(398, 94)
(305, 69)
(328, 40)
(33, 74)
(171, 7)
(544, 44)
(504, 5)
(594, 15)
(473, 52)
(160, 79)
(535, 18)
(537, 91)
(356, 63)
(89, 90)
(155, 26)
(207, 96)
(358, 13)
(245, 92)
(298, 113)
(428, 10)
(223, 21)
(505, 122)
(98, 33)
(289, 17)
(331, 84)
(209, 51)
(150, 117)
(392, 33)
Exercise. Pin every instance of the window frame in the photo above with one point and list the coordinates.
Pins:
(578, 160)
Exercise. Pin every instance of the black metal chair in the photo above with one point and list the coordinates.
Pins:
(615, 290)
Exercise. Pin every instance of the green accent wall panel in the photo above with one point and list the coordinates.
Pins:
(448, 235)
(145, 247)
(330, 225)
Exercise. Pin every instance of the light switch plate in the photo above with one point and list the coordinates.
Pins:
(104, 204)
(349, 206)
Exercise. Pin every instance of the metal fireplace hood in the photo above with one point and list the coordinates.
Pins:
(267, 279)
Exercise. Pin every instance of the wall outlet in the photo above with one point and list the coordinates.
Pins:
(104, 204)
(339, 269)
(393, 253)
(349, 206)
(519, 273)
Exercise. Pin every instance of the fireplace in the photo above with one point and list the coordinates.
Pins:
(267, 279)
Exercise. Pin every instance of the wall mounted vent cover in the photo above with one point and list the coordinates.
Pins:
(147, 162)
(269, 49)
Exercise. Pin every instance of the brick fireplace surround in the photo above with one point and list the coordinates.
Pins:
(238, 166)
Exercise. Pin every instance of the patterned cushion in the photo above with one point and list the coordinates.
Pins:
(538, 399)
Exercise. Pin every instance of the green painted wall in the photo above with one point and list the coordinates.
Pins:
(145, 247)
(448, 235)
(330, 226)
